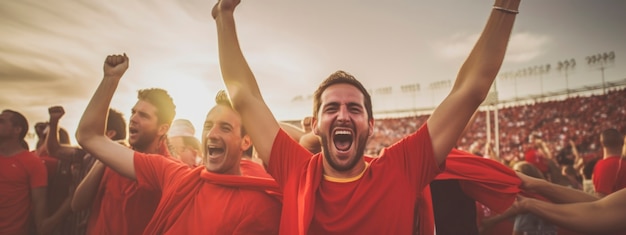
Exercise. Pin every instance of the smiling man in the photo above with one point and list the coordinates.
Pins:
(217, 198)
(337, 191)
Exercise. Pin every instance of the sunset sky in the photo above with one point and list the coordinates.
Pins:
(51, 52)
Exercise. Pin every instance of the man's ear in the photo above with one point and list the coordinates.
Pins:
(314, 126)
(163, 129)
(246, 143)
(110, 134)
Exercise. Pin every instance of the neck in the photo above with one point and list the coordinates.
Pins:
(9, 148)
(350, 173)
(152, 148)
(612, 152)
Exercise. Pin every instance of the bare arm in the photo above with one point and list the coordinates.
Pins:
(311, 142)
(91, 128)
(604, 215)
(55, 149)
(579, 162)
(38, 199)
(241, 83)
(44, 224)
(293, 131)
(554, 192)
(88, 187)
(473, 81)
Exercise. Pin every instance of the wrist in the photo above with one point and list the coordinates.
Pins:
(112, 77)
(507, 6)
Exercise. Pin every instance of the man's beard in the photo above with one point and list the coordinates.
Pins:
(144, 141)
(361, 142)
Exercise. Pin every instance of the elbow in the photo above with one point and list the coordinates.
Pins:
(239, 97)
(76, 205)
(83, 136)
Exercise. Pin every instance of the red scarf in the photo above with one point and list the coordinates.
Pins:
(172, 205)
(486, 181)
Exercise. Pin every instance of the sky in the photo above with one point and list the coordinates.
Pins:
(51, 52)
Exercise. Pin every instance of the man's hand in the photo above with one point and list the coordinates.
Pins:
(529, 183)
(40, 128)
(115, 65)
(56, 112)
(224, 6)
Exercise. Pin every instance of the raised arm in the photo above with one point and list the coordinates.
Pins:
(473, 80)
(55, 149)
(600, 216)
(241, 83)
(91, 129)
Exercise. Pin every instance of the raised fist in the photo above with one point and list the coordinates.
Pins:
(115, 65)
(56, 112)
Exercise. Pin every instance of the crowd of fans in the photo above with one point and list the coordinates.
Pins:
(577, 118)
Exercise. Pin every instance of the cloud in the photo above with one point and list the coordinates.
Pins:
(526, 46)
(523, 47)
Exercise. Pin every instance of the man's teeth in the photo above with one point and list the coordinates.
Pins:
(342, 132)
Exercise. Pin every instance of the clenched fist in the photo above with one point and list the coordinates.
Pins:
(115, 65)
(56, 112)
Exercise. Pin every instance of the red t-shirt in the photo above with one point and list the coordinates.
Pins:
(196, 201)
(121, 206)
(609, 175)
(381, 201)
(18, 175)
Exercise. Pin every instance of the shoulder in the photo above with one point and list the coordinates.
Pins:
(28, 158)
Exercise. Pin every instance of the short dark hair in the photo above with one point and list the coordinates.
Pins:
(221, 98)
(166, 110)
(340, 77)
(116, 122)
(17, 119)
(611, 138)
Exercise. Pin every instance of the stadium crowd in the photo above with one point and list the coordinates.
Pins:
(557, 163)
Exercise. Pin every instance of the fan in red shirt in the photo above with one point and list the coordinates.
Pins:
(23, 182)
(337, 191)
(216, 198)
(119, 204)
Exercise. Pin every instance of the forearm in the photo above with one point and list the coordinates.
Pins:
(50, 223)
(242, 87)
(52, 139)
(581, 217)
(236, 72)
(473, 81)
(88, 188)
(40, 207)
(485, 59)
(562, 194)
(93, 122)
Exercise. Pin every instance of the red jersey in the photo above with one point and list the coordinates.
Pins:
(18, 175)
(196, 201)
(609, 175)
(122, 206)
(380, 201)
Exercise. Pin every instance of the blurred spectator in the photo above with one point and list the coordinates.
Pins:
(183, 143)
(609, 174)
